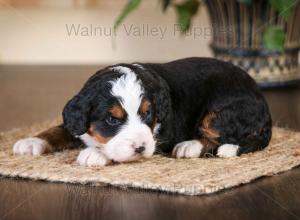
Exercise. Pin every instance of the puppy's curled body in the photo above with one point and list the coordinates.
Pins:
(191, 107)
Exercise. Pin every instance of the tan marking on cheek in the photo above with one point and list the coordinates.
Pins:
(117, 112)
(145, 106)
(97, 136)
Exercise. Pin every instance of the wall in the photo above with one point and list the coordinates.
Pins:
(39, 35)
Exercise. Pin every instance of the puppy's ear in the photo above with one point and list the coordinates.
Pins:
(76, 115)
(162, 102)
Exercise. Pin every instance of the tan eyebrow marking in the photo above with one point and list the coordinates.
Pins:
(117, 111)
(145, 106)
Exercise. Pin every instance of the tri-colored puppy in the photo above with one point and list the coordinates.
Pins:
(190, 107)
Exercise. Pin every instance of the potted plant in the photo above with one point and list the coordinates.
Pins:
(264, 38)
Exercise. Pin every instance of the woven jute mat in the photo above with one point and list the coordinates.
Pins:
(185, 176)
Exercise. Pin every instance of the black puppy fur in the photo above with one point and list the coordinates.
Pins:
(194, 98)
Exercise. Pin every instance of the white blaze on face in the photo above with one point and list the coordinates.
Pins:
(134, 133)
(128, 89)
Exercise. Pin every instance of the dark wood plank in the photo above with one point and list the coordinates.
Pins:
(29, 94)
(268, 198)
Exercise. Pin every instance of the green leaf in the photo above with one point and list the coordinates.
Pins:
(185, 13)
(284, 7)
(274, 38)
(131, 5)
(165, 4)
(246, 2)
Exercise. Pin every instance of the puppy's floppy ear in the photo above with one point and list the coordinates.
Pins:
(162, 102)
(76, 114)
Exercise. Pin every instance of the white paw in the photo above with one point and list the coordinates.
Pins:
(187, 149)
(31, 146)
(92, 157)
(227, 150)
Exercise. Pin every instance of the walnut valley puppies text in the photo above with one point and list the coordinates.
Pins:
(141, 31)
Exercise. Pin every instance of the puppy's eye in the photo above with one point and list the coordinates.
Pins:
(147, 115)
(112, 120)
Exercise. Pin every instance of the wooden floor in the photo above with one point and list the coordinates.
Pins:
(30, 94)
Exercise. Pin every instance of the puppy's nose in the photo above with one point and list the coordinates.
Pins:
(140, 149)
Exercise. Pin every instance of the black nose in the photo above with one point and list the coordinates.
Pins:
(140, 149)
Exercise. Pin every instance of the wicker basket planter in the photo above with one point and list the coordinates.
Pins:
(238, 38)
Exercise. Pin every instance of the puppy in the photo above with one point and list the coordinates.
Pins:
(190, 107)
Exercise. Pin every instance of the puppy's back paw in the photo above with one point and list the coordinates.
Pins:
(187, 149)
(228, 150)
(31, 146)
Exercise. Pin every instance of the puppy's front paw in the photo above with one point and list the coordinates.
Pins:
(227, 150)
(31, 146)
(187, 149)
(92, 157)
